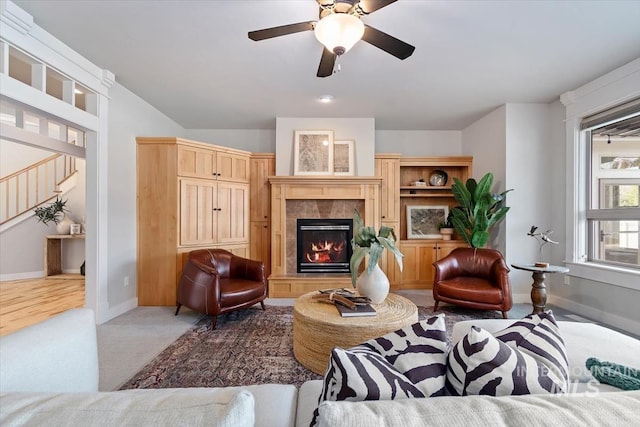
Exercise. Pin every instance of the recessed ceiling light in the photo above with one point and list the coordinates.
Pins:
(325, 99)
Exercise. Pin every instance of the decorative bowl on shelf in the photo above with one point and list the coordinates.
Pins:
(438, 178)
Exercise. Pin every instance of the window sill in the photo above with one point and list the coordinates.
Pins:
(616, 276)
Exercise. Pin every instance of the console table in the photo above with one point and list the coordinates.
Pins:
(538, 288)
(53, 255)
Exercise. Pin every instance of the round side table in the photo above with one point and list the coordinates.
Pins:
(318, 327)
(538, 288)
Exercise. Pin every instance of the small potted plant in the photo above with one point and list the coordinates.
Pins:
(373, 283)
(54, 212)
(446, 228)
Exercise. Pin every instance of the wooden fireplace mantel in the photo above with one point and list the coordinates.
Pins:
(283, 283)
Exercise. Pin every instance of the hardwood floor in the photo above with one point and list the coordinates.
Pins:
(26, 302)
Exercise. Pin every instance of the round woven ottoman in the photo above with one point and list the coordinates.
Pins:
(318, 327)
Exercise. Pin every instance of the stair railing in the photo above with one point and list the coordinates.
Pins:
(27, 188)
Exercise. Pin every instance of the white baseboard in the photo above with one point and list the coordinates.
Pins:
(597, 315)
(22, 276)
(120, 309)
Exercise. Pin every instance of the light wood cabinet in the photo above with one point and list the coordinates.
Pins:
(213, 212)
(415, 168)
(210, 163)
(198, 205)
(419, 256)
(260, 247)
(190, 195)
(263, 165)
(387, 166)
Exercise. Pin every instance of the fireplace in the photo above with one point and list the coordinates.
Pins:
(324, 245)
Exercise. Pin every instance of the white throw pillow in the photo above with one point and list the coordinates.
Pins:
(528, 357)
(410, 362)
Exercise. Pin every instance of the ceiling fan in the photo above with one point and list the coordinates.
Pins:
(339, 28)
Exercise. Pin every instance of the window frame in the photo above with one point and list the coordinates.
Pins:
(579, 254)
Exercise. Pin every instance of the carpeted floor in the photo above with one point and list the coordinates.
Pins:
(248, 347)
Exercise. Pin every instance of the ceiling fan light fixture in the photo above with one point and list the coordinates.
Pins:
(338, 32)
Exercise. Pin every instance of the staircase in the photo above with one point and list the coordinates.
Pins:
(34, 185)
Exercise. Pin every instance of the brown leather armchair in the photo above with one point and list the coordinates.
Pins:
(474, 278)
(215, 281)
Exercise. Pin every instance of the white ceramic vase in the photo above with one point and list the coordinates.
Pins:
(64, 225)
(374, 285)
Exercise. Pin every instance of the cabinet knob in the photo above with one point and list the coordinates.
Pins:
(383, 217)
(265, 226)
(219, 174)
(265, 217)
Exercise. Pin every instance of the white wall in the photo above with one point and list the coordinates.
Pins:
(419, 142)
(129, 117)
(360, 130)
(254, 140)
(485, 140)
(528, 174)
(557, 192)
(14, 156)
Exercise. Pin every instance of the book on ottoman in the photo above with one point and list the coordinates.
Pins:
(360, 310)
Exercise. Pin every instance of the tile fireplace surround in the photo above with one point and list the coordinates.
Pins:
(294, 197)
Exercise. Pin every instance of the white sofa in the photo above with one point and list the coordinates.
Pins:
(49, 376)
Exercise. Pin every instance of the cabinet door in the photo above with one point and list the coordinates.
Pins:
(389, 170)
(232, 167)
(445, 248)
(196, 162)
(232, 212)
(197, 204)
(418, 268)
(261, 169)
(261, 243)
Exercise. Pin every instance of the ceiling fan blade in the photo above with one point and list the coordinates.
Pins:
(389, 44)
(327, 61)
(368, 6)
(283, 30)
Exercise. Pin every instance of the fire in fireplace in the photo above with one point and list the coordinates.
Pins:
(324, 245)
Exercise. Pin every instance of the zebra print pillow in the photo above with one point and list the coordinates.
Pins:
(529, 357)
(410, 362)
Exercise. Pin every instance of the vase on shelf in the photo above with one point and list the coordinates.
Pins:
(64, 225)
(446, 233)
(375, 286)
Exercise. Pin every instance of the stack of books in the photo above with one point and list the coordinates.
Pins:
(346, 302)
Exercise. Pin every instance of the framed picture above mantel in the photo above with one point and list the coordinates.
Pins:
(313, 152)
(343, 158)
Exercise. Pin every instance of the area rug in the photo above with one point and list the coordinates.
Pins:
(248, 347)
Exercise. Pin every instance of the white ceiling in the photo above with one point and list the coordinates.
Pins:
(193, 61)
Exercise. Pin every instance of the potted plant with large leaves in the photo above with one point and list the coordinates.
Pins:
(372, 282)
(479, 209)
